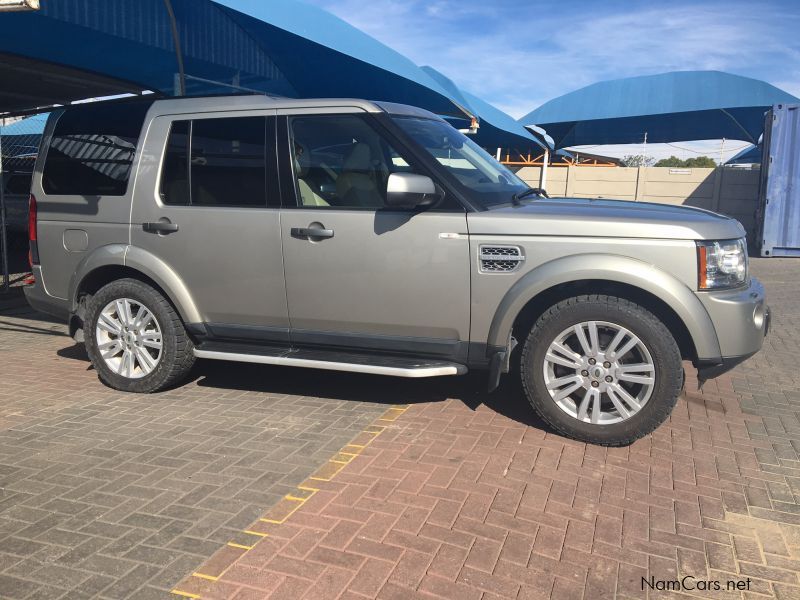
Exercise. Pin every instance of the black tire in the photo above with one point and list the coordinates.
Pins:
(665, 354)
(177, 354)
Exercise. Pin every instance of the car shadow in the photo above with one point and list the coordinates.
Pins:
(470, 389)
(75, 352)
(14, 305)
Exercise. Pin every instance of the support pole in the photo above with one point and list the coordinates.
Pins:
(176, 39)
(498, 155)
(543, 173)
(3, 232)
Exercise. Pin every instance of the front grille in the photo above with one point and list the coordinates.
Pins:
(500, 259)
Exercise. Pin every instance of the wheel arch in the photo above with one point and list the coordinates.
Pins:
(118, 261)
(657, 291)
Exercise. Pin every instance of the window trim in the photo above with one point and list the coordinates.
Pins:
(290, 189)
(272, 199)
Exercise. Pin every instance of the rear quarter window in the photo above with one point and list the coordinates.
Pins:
(91, 150)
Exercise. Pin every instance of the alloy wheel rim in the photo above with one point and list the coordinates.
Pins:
(129, 338)
(599, 372)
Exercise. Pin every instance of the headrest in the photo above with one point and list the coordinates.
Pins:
(359, 158)
(302, 159)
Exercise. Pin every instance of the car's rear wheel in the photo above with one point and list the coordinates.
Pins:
(135, 339)
(601, 369)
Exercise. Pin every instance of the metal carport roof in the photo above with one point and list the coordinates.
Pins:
(497, 128)
(71, 49)
(669, 107)
(749, 155)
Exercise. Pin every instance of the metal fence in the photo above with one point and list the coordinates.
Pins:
(19, 145)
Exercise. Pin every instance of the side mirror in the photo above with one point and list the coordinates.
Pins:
(409, 190)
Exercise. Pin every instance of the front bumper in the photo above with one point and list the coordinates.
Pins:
(741, 319)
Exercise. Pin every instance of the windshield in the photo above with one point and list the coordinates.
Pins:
(483, 178)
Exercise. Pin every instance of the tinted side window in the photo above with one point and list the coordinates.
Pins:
(228, 162)
(341, 161)
(175, 174)
(216, 162)
(92, 150)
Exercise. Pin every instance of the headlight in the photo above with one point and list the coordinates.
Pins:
(721, 264)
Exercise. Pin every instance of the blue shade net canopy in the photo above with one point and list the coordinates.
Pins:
(497, 129)
(669, 107)
(747, 156)
(71, 49)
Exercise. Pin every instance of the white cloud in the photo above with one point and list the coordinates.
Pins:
(518, 55)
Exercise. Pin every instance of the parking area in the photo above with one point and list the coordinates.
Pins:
(253, 481)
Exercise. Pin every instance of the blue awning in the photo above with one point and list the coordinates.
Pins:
(749, 155)
(669, 107)
(295, 50)
(30, 126)
(497, 129)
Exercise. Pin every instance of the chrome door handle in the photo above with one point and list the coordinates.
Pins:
(305, 233)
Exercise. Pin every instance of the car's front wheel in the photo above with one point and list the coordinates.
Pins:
(601, 369)
(135, 339)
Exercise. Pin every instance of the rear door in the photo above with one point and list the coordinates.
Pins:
(210, 210)
(385, 279)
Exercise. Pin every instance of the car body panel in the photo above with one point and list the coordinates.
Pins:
(583, 217)
(216, 250)
(600, 267)
(388, 281)
(383, 273)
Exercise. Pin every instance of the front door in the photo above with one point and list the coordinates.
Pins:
(213, 217)
(358, 274)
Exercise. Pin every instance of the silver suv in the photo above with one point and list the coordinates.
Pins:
(374, 238)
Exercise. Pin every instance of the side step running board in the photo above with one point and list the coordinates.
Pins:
(333, 361)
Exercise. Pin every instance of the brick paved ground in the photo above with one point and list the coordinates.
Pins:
(113, 495)
(470, 497)
(461, 494)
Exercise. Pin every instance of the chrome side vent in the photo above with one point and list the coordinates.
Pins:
(500, 259)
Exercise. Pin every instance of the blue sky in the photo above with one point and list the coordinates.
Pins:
(518, 54)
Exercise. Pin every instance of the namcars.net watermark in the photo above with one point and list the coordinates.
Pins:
(690, 583)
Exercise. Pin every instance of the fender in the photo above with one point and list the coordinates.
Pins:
(608, 267)
(148, 264)
(110, 255)
(169, 281)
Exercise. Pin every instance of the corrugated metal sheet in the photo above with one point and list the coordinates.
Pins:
(781, 223)
(207, 33)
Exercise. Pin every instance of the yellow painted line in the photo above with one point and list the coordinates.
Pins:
(185, 594)
(301, 497)
(353, 449)
(295, 498)
(306, 490)
(343, 458)
(392, 414)
(328, 471)
(280, 512)
(242, 546)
